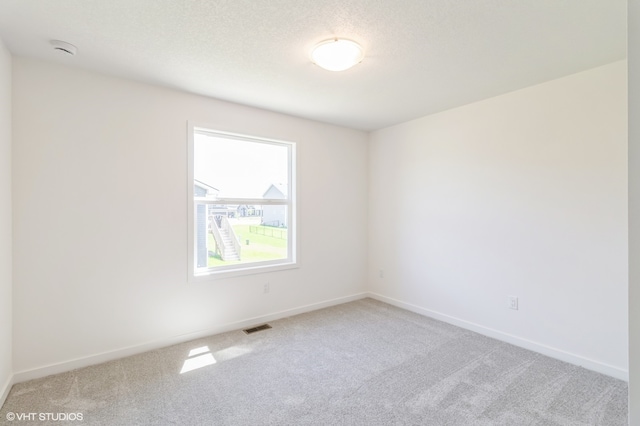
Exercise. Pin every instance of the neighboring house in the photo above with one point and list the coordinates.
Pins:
(201, 189)
(275, 215)
(209, 216)
(204, 214)
(248, 211)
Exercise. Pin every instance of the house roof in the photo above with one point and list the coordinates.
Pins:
(279, 188)
(204, 185)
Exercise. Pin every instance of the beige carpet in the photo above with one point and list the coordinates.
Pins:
(361, 363)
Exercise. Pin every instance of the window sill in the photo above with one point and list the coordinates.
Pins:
(239, 272)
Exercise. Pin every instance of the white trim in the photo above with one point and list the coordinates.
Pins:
(6, 389)
(65, 366)
(191, 259)
(232, 271)
(198, 275)
(238, 201)
(571, 358)
(76, 363)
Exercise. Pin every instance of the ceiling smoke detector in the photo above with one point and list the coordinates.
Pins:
(64, 47)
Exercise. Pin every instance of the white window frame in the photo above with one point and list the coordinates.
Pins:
(204, 274)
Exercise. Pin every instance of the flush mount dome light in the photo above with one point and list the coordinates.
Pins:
(337, 54)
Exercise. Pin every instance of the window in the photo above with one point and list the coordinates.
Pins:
(241, 204)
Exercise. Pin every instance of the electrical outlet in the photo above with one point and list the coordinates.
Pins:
(267, 288)
(380, 273)
(512, 302)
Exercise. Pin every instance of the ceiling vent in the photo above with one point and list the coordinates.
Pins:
(64, 47)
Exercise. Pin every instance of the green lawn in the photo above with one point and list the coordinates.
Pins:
(260, 247)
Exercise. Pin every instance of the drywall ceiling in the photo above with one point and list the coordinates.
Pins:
(422, 56)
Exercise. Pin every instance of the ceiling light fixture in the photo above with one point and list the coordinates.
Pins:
(337, 54)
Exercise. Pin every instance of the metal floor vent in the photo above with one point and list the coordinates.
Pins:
(256, 329)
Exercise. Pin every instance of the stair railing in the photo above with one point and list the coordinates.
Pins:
(218, 238)
(234, 239)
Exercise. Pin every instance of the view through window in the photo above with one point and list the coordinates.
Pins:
(243, 209)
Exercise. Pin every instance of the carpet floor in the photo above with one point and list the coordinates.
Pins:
(360, 363)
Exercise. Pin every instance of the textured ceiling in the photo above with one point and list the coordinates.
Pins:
(422, 56)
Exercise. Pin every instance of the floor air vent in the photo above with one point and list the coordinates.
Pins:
(256, 329)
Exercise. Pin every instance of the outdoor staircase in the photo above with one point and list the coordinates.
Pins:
(228, 251)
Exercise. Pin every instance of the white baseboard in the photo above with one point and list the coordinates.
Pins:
(571, 358)
(23, 376)
(4, 391)
(73, 364)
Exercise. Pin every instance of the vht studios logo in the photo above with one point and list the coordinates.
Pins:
(52, 417)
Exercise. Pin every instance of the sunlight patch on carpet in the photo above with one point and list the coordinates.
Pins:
(198, 358)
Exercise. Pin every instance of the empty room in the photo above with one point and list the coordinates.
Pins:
(418, 212)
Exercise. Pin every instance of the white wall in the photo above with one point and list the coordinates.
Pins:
(100, 217)
(5, 223)
(524, 194)
(633, 47)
